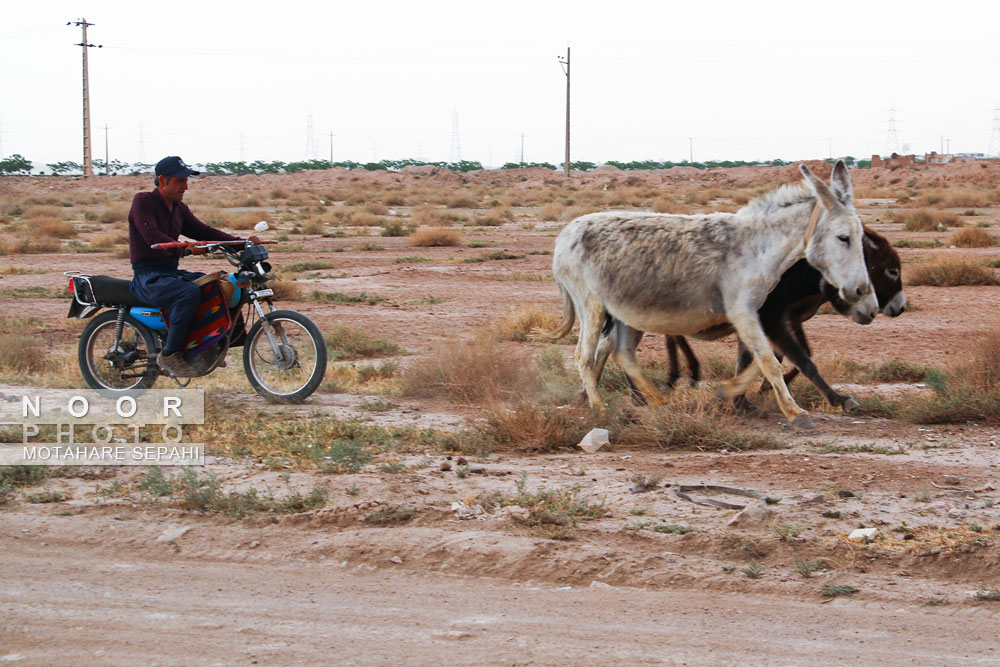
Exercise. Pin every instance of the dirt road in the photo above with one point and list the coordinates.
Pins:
(91, 605)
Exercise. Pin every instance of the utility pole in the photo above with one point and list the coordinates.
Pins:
(331, 148)
(107, 168)
(564, 63)
(522, 148)
(88, 160)
(691, 151)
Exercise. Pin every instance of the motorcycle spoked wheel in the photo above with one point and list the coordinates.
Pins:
(121, 369)
(297, 370)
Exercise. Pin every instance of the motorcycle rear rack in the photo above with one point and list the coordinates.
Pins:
(80, 280)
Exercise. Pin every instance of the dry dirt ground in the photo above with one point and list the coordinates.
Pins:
(117, 578)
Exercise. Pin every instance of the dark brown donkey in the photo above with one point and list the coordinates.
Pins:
(795, 299)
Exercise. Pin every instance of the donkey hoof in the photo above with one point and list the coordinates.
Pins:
(850, 406)
(803, 422)
(743, 406)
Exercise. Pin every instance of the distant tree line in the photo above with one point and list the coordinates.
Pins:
(17, 164)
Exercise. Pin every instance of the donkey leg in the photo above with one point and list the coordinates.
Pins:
(694, 366)
(748, 328)
(675, 366)
(605, 345)
(625, 357)
(744, 360)
(591, 320)
(791, 344)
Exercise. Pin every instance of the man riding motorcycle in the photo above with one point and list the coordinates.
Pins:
(160, 216)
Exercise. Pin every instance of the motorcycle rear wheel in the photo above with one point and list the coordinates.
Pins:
(121, 369)
(292, 375)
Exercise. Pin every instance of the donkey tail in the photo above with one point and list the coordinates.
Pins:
(569, 315)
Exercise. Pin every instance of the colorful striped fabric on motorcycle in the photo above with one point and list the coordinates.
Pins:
(211, 321)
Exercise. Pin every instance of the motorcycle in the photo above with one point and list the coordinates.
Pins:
(284, 352)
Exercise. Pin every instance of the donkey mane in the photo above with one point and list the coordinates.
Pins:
(786, 195)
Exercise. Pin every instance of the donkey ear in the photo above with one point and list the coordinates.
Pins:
(869, 242)
(840, 183)
(819, 188)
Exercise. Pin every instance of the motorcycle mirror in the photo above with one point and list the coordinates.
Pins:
(261, 226)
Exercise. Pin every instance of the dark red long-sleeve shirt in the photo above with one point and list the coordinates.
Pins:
(150, 221)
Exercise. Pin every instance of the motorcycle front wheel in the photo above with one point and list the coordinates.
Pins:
(117, 368)
(288, 365)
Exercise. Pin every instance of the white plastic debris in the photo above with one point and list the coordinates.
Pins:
(863, 534)
(593, 441)
(172, 532)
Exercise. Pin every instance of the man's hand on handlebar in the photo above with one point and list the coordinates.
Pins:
(256, 240)
(194, 249)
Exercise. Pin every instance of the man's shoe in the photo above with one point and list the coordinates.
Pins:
(176, 365)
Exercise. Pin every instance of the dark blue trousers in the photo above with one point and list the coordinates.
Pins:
(172, 289)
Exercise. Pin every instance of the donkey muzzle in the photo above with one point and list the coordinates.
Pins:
(865, 310)
(856, 293)
(895, 307)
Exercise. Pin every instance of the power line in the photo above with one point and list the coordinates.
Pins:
(892, 137)
(456, 146)
(310, 138)
(88, 161)
(994, 138)
(106, 160)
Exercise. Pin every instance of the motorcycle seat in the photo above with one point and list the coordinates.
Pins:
(114, 291)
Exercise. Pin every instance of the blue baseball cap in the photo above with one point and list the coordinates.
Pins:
(174, 166)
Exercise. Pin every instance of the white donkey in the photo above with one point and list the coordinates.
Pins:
(682, 274)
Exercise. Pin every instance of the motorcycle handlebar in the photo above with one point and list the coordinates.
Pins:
(185, 244)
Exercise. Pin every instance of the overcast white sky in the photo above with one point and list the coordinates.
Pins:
(219, 80)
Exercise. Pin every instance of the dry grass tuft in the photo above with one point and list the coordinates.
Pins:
(696, 420)
(664, 204)
(473, 371)
(31, 245)
(495, 217)
(53, 227)
(945, 271)
(115, 213)
(529, 427)
(925, 221)
(37, 212)
(972, 237)
(518, 324)
(550, 212)
(983, 367)
(461, 201)
(22, 353)
(284, 289)
(427, 237)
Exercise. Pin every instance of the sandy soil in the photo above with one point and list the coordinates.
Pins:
(118, 580)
